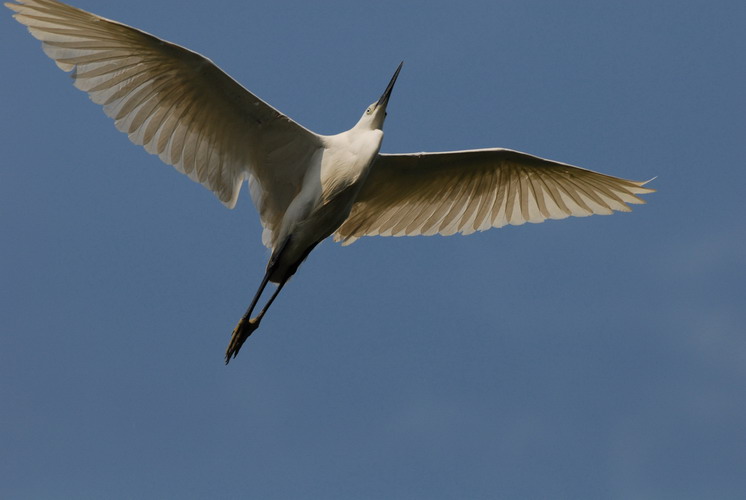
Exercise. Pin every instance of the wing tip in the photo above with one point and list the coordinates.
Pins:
(646, 190)
(639, 189)
(15, 7)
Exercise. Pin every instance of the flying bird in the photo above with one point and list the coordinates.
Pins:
(306, 187)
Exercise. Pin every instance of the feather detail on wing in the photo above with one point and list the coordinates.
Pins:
(178, 105)
(468, 191)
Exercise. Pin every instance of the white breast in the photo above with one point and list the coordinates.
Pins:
(346, 161)
(328, 193)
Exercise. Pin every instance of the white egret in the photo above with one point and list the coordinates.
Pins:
(179, 105)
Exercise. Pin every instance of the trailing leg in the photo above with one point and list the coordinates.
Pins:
(247, 324)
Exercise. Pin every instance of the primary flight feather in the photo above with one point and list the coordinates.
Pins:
(306, 186)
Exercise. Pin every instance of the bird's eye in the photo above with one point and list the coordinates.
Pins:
(368, 111)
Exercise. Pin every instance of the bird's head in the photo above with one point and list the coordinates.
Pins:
(375, 114)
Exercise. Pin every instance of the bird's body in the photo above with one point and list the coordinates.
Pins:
(330, 187)
(306, 187)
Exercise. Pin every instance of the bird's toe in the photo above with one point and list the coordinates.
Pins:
(241, 332)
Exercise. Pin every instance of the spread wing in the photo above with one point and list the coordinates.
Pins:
(179, 105)
(467, 191)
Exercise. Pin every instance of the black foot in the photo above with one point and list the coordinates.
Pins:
(243, 329)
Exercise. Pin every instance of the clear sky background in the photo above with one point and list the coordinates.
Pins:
(602, 357)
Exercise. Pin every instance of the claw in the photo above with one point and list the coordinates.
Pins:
(243, 329)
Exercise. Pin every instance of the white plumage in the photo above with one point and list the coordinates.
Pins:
(178, 105)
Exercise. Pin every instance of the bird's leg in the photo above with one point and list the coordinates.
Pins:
(258, 294)
(247, 324)
(269, 302)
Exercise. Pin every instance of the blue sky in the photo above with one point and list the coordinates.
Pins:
(602, 357)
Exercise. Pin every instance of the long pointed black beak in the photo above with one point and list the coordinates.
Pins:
(383, 101)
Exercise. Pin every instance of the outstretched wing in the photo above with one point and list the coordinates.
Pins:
(467, 191)
(179, 105)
